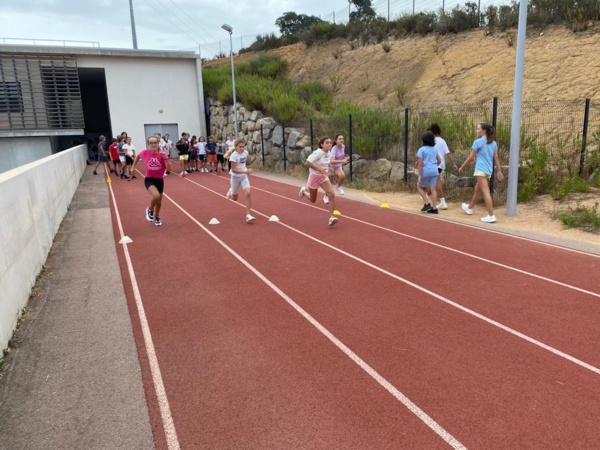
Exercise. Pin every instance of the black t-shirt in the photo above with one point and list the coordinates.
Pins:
(182, 148)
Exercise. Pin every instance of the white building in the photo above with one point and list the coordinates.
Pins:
(54, 97)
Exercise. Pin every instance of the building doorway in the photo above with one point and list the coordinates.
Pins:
(165, 128)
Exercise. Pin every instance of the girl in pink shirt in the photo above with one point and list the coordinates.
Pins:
(157, 163)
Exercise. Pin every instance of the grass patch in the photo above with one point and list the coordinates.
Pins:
(568, 185)
(582, 217)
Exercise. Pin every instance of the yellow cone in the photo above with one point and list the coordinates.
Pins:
(385, 205)
(336, 212)
(108, 180)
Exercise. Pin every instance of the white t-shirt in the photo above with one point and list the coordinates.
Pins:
(238, 161)
(230, 143)
(201, 147)
(319, 158)
(166, 146)
(129, 150)
(443, 150)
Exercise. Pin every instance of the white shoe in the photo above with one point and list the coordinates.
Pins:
(229, 194)
(302, 191)
(488, 219)
(340, 190)
(333, 220)
(465, 207)
(443, 206)
(250, 218)
(325, 199)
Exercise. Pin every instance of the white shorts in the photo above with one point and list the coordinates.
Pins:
(236, 181)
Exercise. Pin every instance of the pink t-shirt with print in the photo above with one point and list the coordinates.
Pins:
(155, 163)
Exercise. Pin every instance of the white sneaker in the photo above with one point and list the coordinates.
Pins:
(332, 221)
(325, 199)
(465, 207)
(443, 206)
(488, 219)
(302, 191)
(340, 190)
(229, 194)
(250, 218)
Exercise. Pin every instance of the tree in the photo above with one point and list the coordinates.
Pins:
(364, 10)
(291, 23)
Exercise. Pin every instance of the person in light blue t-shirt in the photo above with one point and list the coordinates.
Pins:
(485, 152)
(427, 165)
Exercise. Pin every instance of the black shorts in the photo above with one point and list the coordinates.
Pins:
(439, 171)
(128, 160)
(116, 161)
(158, 183)
(201, 157)
(221, 159)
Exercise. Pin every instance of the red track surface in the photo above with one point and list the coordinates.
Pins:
(494, 338)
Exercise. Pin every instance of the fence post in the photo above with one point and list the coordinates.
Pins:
(406, 145)
(586, 119)
(262, 145)
(494, 124)
(312, 135)
(350, 143)
(283, 147)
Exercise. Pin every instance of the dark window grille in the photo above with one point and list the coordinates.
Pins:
(11, 99)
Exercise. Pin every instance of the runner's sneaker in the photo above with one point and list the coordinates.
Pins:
(333, 220)
(250, 218)
(149, 215)
(442, 206)
(229, 194)
(488, 219)
(340, 190)
(426, 207)
(325, 199)
(157, 221)
(302, 191)
(432, 211)
(95, 173)
(465, 207)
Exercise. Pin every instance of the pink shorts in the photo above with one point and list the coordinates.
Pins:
(315, 180)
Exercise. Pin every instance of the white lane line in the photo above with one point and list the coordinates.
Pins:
(437, 296)
(450, 249)
(159, 387)
(422, 415)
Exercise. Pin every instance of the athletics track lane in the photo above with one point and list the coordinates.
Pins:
(401, 316)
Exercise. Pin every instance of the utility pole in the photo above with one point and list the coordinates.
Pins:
(133, 34)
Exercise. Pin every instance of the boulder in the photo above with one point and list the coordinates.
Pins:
(293, 139)
(303, 142)
(266, 122)
(397, 173)
(293, 156)
(256, 115)
(277, 137)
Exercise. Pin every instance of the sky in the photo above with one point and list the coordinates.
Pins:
(190, 25)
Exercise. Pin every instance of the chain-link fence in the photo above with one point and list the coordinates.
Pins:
(566, 134)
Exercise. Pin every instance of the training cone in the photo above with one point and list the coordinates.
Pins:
(108, 180)
(385, 205)
(214, 221)
(184, 175)
(336, 212)
(273, 218)
(125, 240)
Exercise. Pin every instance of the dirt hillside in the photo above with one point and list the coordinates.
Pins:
(470, 67)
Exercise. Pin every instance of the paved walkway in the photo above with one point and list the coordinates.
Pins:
(74, 381)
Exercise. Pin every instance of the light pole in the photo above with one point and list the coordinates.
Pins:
(229, 29)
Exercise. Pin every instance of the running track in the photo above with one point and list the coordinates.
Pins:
(390, 330)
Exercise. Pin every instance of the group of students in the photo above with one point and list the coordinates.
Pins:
(432, 162)
(325, 164)
(119, 156)
(198, 155)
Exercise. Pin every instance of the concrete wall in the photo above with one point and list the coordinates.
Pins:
(15, 152)
(33, 201)
(151, 91)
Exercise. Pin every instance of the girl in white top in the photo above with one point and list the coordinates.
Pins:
(201, 148)
(229, 145)
(239, 176)
(443, 151)
(318, 165)
(129, 151)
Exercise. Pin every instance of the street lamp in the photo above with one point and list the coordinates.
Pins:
(229, 29)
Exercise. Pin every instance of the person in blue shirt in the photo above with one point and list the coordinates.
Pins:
(427, 164)
(485, 153)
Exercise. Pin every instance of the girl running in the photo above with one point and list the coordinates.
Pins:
(318, 165)
(157, 163)
(239, 176)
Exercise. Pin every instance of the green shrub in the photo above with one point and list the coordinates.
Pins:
(581, 217)
(459, 19)
(286, 107)
(568, 185)
(534, 175)
(315, 94)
